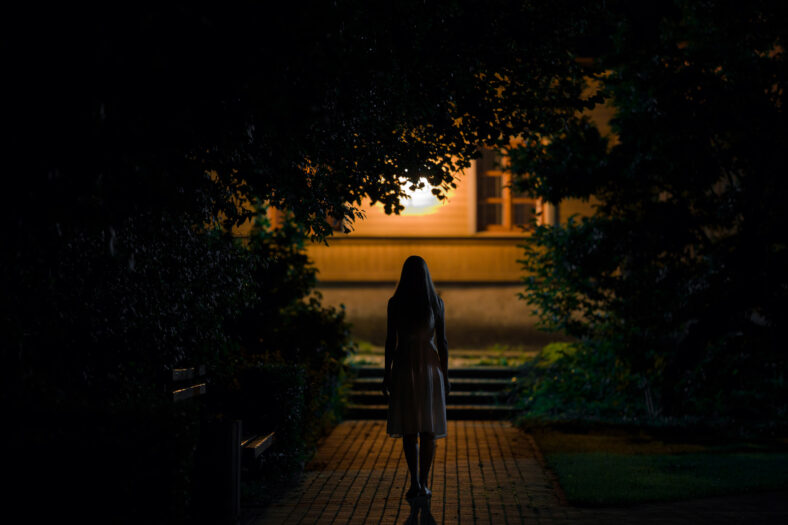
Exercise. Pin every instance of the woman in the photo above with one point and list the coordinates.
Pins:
(416, 379)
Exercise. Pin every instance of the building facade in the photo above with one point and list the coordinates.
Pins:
(471, 242)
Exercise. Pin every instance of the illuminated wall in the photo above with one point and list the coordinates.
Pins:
(443, 232)
(476, 272)
(424, 215)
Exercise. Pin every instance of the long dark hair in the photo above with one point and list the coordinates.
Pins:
(415, 295)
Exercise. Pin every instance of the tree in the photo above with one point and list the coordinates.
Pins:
(140, 136)
(311, 106)
(181, 115)
(135, 126)
(680, 268)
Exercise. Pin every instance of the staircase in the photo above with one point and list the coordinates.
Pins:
(476, 393)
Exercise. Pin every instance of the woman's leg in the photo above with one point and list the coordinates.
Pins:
(426, 454)
(411, 447)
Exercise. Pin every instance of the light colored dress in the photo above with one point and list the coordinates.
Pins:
(417, 401)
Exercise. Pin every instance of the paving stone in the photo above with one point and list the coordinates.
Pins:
(484, 472)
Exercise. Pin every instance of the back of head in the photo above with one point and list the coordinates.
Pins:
(415, 294)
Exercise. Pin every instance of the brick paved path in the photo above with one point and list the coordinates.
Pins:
(485, 472)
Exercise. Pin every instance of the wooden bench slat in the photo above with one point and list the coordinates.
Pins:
(257, 445)
(188, 392)
(181, 374)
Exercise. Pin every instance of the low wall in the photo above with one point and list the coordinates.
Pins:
(472, 259)
(477, 315)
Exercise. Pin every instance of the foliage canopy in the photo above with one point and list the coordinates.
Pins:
(142, 133)
(681, 267)
(311, 106)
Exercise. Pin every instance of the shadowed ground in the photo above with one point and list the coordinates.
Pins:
(485, 472)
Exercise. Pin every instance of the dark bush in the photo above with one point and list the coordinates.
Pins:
(290, 375)
(572, 381)
(122, 306)
(680, 269)
(94, 320)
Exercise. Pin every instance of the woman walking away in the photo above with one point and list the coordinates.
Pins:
(416, 379)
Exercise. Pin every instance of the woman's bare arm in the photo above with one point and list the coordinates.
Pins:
(441, 342)
(391, 346)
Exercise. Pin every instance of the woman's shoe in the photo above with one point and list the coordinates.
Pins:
(413, 492)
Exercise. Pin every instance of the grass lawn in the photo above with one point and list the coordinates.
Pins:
(619, 468)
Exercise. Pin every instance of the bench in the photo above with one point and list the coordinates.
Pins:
(188, 383)
(223, 450)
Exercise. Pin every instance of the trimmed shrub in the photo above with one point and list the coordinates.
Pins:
(571, 381)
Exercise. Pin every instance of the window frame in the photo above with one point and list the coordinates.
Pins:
(507, 199)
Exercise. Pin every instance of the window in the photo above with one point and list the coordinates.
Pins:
(499, 206)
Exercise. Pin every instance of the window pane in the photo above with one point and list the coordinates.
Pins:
(489, 213)
(489, 186)
(523, 213)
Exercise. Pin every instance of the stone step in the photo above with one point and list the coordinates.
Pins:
(454, 412)
(457, 384)
(476, 372)
(481, 397)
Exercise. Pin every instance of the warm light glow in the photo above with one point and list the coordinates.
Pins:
(420, 201)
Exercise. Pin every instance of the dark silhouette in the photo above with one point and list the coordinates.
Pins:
(416, 379)
(420, 513)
